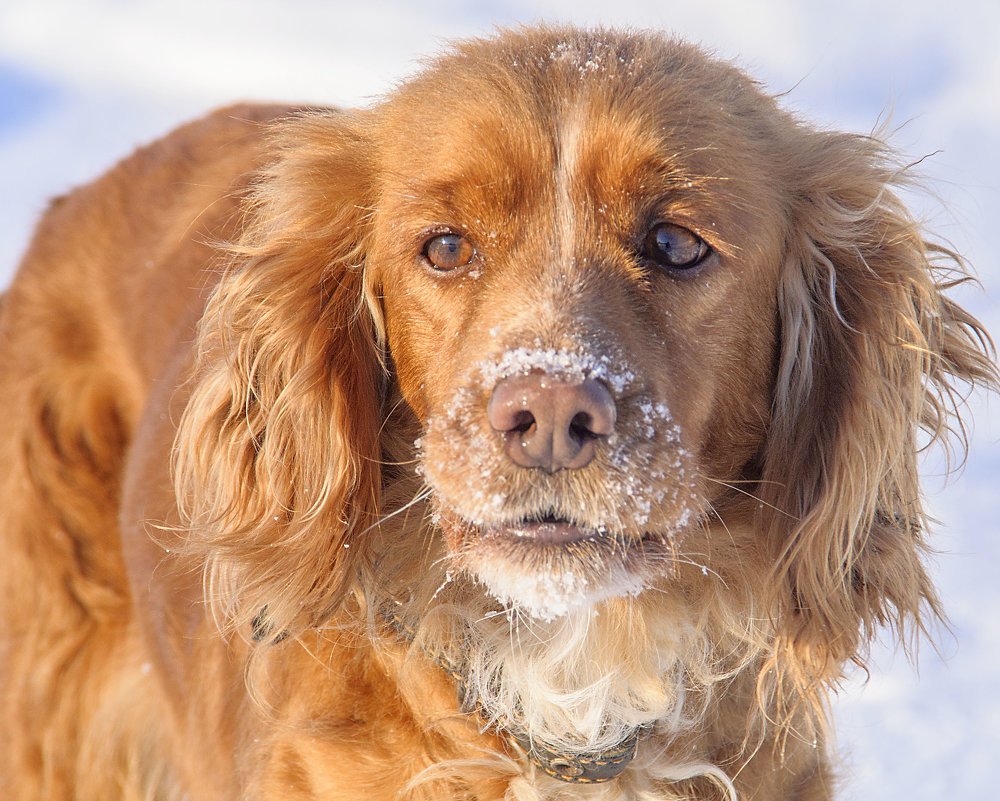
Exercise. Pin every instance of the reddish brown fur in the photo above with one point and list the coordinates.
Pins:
(178, 408)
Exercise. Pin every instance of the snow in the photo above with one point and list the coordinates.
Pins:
(84, 81)
(564, 365)
(553, 595)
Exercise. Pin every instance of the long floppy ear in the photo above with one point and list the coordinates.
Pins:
(873, 360)
(277, 463)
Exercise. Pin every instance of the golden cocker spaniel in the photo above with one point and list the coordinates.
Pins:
(545, 431)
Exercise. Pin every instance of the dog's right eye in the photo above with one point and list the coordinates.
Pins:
(449, 252)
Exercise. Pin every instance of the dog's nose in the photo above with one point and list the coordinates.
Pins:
(549, 423)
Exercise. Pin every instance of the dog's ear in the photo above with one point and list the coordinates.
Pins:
(277, 462)
(873, 359)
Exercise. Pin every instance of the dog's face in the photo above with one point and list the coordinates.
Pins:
(579, 277)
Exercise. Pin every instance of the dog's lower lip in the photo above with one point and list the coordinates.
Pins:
(550, 532)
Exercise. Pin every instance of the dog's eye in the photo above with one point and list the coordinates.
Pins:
(672, 246)
(449, 252)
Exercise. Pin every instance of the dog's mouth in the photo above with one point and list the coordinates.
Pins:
(548, 565)
(546, 529)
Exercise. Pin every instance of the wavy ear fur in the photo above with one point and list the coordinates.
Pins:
(277, 463)
(872, 353)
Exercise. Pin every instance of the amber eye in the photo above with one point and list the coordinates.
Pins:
(675, 247)
(449, 251)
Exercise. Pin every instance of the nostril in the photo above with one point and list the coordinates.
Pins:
(521, 422)
(581, 427)
(512, 407)
(596, 412)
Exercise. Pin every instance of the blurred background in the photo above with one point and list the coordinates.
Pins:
(82, 82)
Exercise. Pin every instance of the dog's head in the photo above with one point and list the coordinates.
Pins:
(629, 329)
(579, 282)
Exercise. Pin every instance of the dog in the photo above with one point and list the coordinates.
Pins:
(547, 430)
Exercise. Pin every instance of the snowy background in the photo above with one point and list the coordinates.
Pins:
(82, 82)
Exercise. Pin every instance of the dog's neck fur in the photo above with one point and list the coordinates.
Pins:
(574, 766)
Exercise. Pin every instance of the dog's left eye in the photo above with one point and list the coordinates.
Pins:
(449, 252)
(675, 247)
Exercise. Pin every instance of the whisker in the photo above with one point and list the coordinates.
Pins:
(422, 495)
(440, 561)
(732, 485)
(388, 415)
(391, 463)
(705, 569)
(722, 522)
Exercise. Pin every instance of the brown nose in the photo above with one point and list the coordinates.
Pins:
(549, 423)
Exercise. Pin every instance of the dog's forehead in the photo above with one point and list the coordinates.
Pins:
(529, 122)
(531, 81)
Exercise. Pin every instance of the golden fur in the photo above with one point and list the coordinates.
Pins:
(244, 416)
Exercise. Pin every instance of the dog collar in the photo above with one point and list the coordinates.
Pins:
(567, 766)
